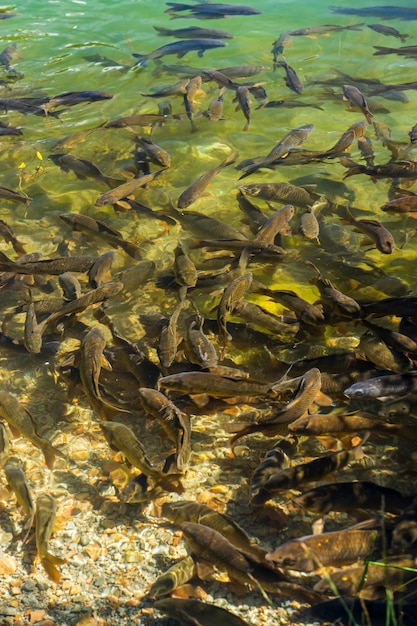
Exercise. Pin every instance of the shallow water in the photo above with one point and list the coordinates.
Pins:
(58, 45)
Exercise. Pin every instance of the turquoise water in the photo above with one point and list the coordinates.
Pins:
(72, 46)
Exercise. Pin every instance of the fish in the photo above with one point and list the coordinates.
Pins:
(388, 31)
(174, 422)
(305, 312)
(26, 106)
(47, 266)
(124, 190)
(121, 438)
(212, 384)
(178, 574)
(14, 196)
(180, 49)
(6, 57)
(169, 339)
(276, 459)
(291, 104)
(344, 144)
(332, 298)
(374, 230)
(212, 9)
(70, 141)
(4, 445)
(405, 51)
(184, 269)
(33, 334)
(198, 513)
(189, 611)
(96, 228)
(393, 339)
(198, 348)
(215, 109)
(140, 119)
(309, 225)
(99, 272)
(383, 356)
(207, 543)
(232, 294)
(344, 609)
(323, 29)
(292, 80)
(306, 392)
(403, 204)
(22, 424)
(348, 496)
(293, 139)
(70, 285)
(17, 483)
(357, 99)
(385, 11)
(82, 168)
(317, 469)
(191, 89)
(280, 192)
(155, 153)
(195, 190)
(71, 98)
(45, 516)
(193, 32)
(176, 89)
(338, 547)
(8, 235)
(243, 103)
(91, 360)
(382, 386)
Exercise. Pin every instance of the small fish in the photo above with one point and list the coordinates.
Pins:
(198, 348)
(180, 48)
(357, 99)
(280, 192)
(382, 386)
(4, 445)
(393, 169)
(309, 225)
(215, 385)
(380, 235)
(257, 316)
(126, 189)
(169, 338)
(17, 482)
(331, 297)
(70, 98)
(14, 196)
(215, 109)
(178, 574)
(192, 88)
(70, 141)
(274, 460)
(47, 266)
(388, 31)
(33, 332)
(339, 547)
(8, 235)
(70, 286)
(305, 312)
(45, 516)
(140, 119)
(232, 294)
(193, 32)
(307, 472)
(194, 191)
(405, 51)
(344, 144)
(155, 153)
(292, 80)
(82, 168)
(189, 611)
(347, 496)
(212, 9)
(99, 272)
(22, 424)
(404, 204)
(323, 29)
(243, 100)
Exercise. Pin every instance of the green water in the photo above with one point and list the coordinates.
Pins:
(56, 41)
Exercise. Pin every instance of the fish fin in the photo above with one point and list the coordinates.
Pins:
(105, 364)
(172, 482)
(49, 453)
(49, 563)
(383, 50)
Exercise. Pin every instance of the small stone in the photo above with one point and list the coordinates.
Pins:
(36, 615)
(8, 611)
(28, 585)
(8, 565)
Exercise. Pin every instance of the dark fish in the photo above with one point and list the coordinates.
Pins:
(384, 11)
(357, 99)
(214, 385)
(280, 192)
(404, 51)
(191, 89)
(293, 139)
(193, 32)
(232, 294)
(71, 98)
(348, 496)
(45, 515)
(172, 90)
(99, 272)
(17, 482)
(180, 48)
(393, 169)
(212, 9)
(8, 235)
(14, 196)
(314, 470)
(274, 460)
(82, 168)
(404, 204)
(194, 191)
(4, 445)
(47, 266)
(343, 609)
(373, 229)
(334, 299)
(155, 153)
(97, 228)
(75, 138)
(277, 223)
(198, 348)
(345, 142)
(381, 386)
(6, 58)
(125, 189)
(33, 332)
(26, 105)
(188, 611)
(243, 100)
(184, 269)
(323, 29)
(70, 286)
(334, 548)
(383, 356)
(169, 338)
(21, 423)
(389, 31)
(260, 317)
(290, 104)
(304, 310)
(178, 574)
(292, 80)
(141, 119)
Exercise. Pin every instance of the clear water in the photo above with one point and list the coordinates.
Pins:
(56, 40)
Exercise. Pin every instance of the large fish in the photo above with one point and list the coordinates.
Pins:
(194, 191)
(180, 48)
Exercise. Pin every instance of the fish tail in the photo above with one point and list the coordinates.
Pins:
(369, 117)
(131, 249)
(171, 482)
(383, 50)
(49, 563)
(18, 248)
(49, 453)
(143, 60)
(403, 38)
(230, 159)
